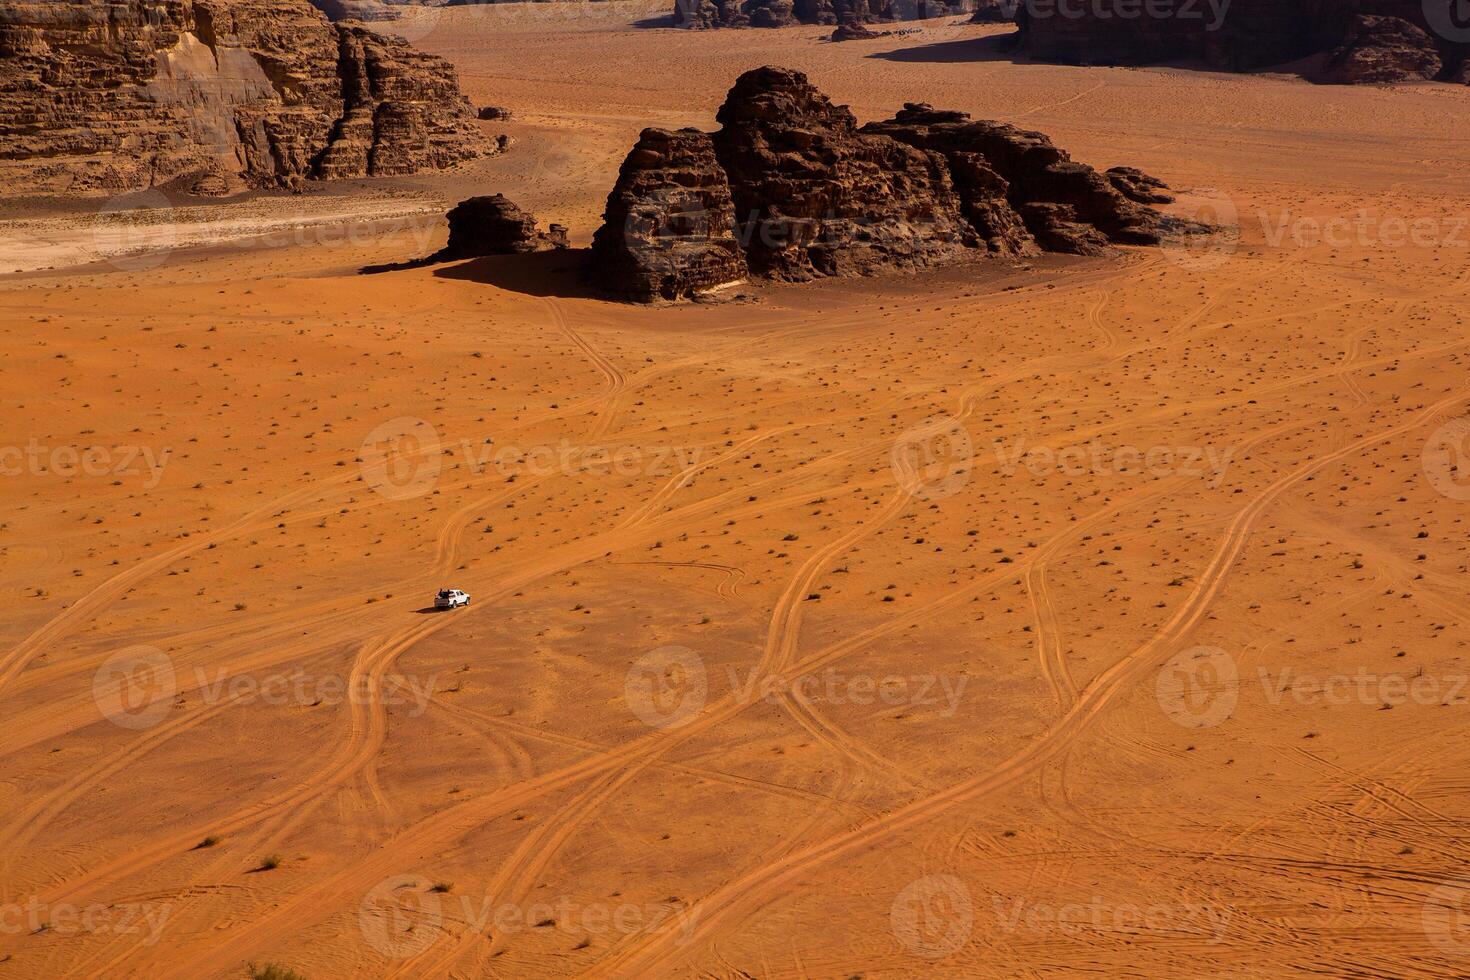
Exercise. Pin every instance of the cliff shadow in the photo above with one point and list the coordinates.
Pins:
(992, 47)
(556, 273)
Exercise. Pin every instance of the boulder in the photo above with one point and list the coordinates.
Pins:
(1138, 186)
(494, 226)
(853, 31)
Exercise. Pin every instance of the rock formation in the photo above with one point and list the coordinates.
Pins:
(128, 94)
(1362, 40)
(669, 228)
(994, 11)
(706, 14)
(495, 226)
(853, 31)
(1138, 186)
(791, 189)
(1383, 49)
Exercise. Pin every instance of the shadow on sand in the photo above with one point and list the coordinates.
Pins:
(995, 47)
(556, 273)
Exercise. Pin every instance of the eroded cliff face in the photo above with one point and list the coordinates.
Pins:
(1366, 40)
(106, 96)
(706, 14)
(790, 188)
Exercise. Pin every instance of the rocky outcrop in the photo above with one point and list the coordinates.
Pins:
(853, 31)
(495, 226)
(815, 198)
(1384, 49)
(1138, 186)
(791, 189)
(1003, 171)
(1362, 40)
(994, 11)
(669, 228)
(128, 94)
(707, 14)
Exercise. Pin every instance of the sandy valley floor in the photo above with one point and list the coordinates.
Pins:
(1085, 617)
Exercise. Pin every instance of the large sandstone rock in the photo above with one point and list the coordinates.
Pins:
(1366, 40)
(106, 96)
(493, 225)
(706, 14)
(814, 198)
(1384, 49)
(1004, 171)
(669, 228)
(791, 189)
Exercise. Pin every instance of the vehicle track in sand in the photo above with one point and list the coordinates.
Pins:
(743, 894)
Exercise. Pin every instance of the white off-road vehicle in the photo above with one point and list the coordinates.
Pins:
(450, 598)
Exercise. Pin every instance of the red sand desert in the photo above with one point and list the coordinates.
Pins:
(1073, 616)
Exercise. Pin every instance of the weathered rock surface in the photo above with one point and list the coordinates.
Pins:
(669, 228)
(106, 97)
(814, 198)
(1138, 186)
(791, 189)
(852, 31)
(1366, 40)
(707, 14)
(493, 225)
(1066, 206)
(1384, 49)
(994, 11)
